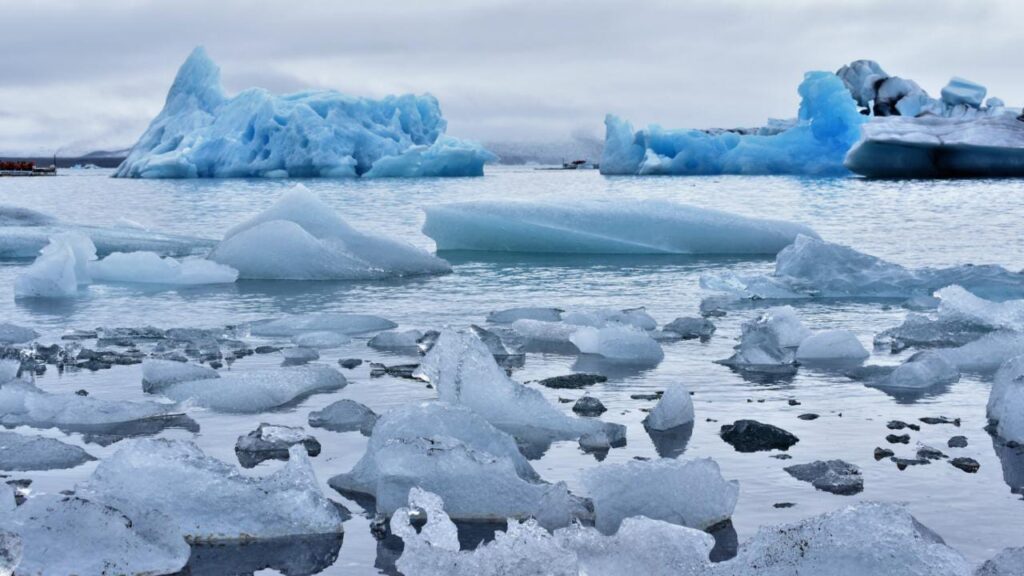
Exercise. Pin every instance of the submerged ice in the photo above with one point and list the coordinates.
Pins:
(203, 133)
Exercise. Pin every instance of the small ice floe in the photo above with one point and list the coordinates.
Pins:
(158, 374)
(920, 331)
(502, 355)
(272, 442)
(344, 416)
(22, 452)
(510, 315)
(689, 328)
(347, 324)
(769, 342)
(456, 453)
(641, 546)
(674, 409)
(73, 535)
(834, 476)
(639, 227)
(319, 340)
(619, 344)
(254, 391)
(299, 355)
(464, 372)
(395, 341)
(301, 238)
(158, 482)
(14, 334)
(814, 268)
(690, 493)
(831, 348)
(1006, 401)
(923, 370)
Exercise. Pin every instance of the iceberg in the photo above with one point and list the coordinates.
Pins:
(689, 493)
(301, 238)
(674, 409)
(594, 227)
(203, 133)
(173, 483)
(347, 324)
(831, 347)
(71, 535)
(814, 268)
(344, 416)
(957, 305)
(24, 232)
(618, 344)
(51, 275)
(1006, 401)
(395, 341)
(151, 268)
(20, 452)
(769, 342)
(251, 392)
(924, 370)
(158, 374)
(827, 125)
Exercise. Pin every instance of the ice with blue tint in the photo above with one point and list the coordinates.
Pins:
(204, 133)
(588, 227)
(301, 238)
(1006, 400)
(255, 390)
(827, 125)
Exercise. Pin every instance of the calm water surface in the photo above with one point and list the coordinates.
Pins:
(913, 223)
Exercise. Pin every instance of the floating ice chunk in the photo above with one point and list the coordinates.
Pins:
(321, 339)
(157, 481)
(920, 331)
(201, 132)
(299, 355)
(690, 328)
(344, 416)
(961, 91)
(394, 340)
(20, 452)
(301, 238)
(52, 275)
(959, 305)
(22, 404)
(619, 344)
(158, 374)
(862, 78)
(645, 227)
(834, 476)
(151, 268)
(348, 324)
(986, 354)
(828, 124)
(254, 391)
(13, 334)
(23, 233)
(674, 409)
(923, 370)
(1009, 562)
(813, 268)
(1006, 400)
(464, 372)
(70, 535)
(453, 452)
(831, 346)
(690, 493)
(272, 442)
(601, 317)
(528, 313)
(540, 335)
(866, 538)
(769, 341)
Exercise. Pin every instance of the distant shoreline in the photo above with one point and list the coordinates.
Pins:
(69, 161)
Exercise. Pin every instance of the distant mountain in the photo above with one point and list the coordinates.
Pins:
(548, 153)
(107, 154)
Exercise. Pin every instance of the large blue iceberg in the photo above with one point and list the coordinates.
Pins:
(203, 133)
(815, 143)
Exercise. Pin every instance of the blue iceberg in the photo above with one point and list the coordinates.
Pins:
(203, 133)
(815, 144)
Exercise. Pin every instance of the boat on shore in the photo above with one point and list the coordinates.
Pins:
(26, 168)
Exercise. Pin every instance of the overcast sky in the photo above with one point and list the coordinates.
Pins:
(79, 76)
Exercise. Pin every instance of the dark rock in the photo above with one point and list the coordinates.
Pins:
(793, 402)
(902, 463)
(571, 381)
(833, 476)
(929, 453)
(900, 425)
(271, 442)
(783, 505)
(588, 406)
(350, 363)
(690, 328)
(216, 365)
(781, 456)
(808, 416)
(564, 400)
(82, 392)
(957, 442)
(655, 396)
(883, 453)
(898, 438)
(940, 420)
(267, 349)
(969, 465)
(754, 436)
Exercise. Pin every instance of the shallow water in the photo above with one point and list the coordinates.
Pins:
(916, 223)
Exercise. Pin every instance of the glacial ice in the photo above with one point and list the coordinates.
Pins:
(1009, 562)
(957, 305)
(71, 535)
(22, 452)
(921, 371)
(301, 238)
(770, 341)
(396, 341)
(618, 344)
(831, 346)
(827, 125)
(690, 493)
(464, 372)
(253, 391)
(203, 133)
(814, 268)
(594, 227)
(173, 483)
(601, 317)
(24, 232)
(1006, 400)
(14, 334)
(641, 546)
(344, 416)
(674, 409)
(273, 442)
(452, 451)
(525, 313)
(51, 275)
(320, 340)
(158, 374)
(348, 324)
(151, 268)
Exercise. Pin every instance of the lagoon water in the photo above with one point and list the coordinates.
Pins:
(915, 223)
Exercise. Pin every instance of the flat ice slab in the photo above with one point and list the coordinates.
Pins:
(24, 452)
(250, 392)
(591, 227)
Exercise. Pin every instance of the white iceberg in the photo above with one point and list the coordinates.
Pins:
(348, 324)
(690, 493)
(593, 227)
(831, 346)
(22, 452)
(674, 409)
(51, 275)
(250, 392)
(301, 238)
(203, 133)
(618, 344)
(24, 232)
(769, 341)
(151, 268)
(924, 370)
(158, 374)
(344, 416)
(71, 535)
(168, 482)
(1006, 400)
(827, 125)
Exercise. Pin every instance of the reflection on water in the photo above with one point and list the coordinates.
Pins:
(294, 556)
(1012, 459)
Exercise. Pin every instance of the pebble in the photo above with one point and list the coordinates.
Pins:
(808, 416)
(957, 442)
(969, 465)
(898, 438)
